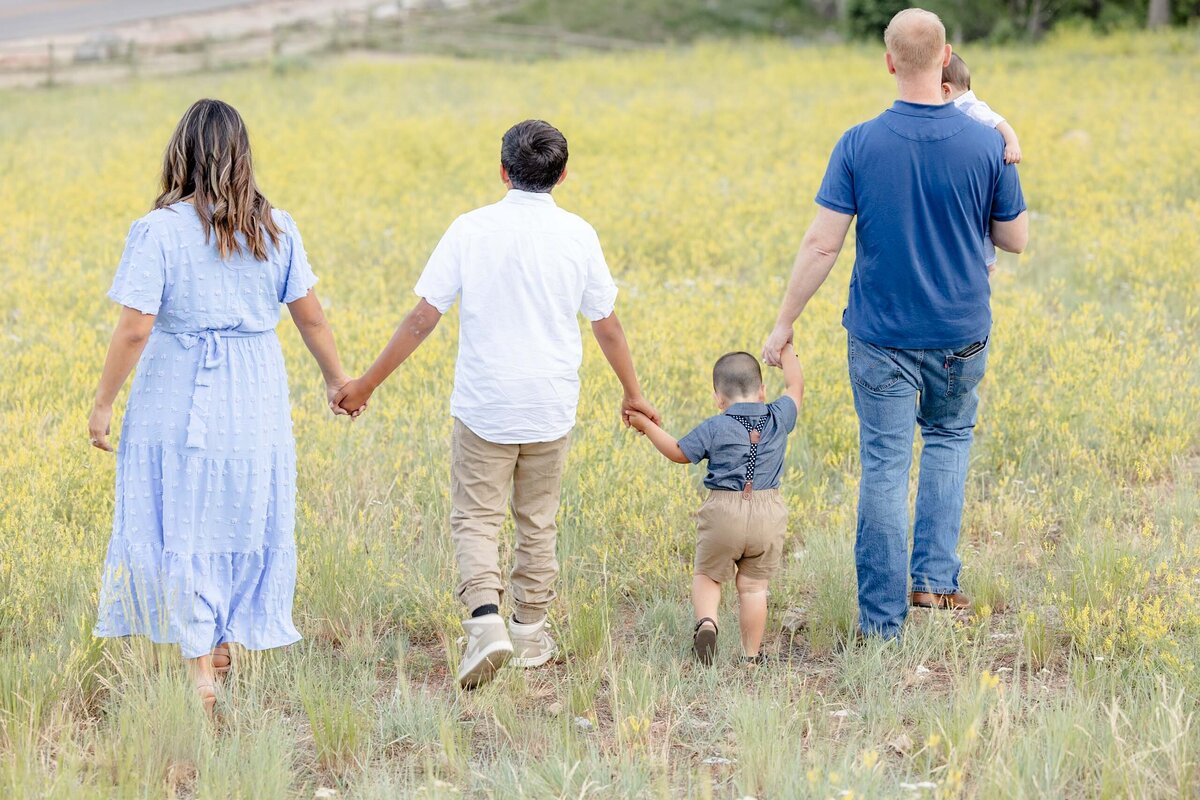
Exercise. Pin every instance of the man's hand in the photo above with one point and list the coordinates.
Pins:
(638, 405)
(1012, 154)
(772, 351)
(352, 397)
(99, 427)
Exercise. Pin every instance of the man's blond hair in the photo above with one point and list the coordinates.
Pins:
(916, 38)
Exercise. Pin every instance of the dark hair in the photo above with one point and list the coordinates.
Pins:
(737, 375)
(535, 154)
(208, 161)
(956, 73)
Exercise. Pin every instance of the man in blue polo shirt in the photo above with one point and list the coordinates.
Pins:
(926, 183)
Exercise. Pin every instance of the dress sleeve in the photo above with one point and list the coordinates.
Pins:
(600, 292)
(441, 280)
(300, 277)
(141, 275)
(696, 445)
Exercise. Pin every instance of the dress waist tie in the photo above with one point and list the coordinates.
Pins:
(215, 351)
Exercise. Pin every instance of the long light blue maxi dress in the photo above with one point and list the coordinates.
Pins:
(203, 546)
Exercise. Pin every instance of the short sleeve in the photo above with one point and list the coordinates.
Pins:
(837, 187)
(441, 280)
(785, 412)
(982, 112)
(300, 277)
(600, 292)
(1008, 201)
(697, 444)
(141, 275)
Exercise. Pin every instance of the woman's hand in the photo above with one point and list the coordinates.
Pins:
(99, 426)
(331, 392)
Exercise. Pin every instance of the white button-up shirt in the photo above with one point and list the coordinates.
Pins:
(522, 269)
(977, 110)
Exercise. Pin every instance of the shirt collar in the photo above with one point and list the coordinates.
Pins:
(747, 410)
(529, 198)
(939, 111)
(967, 97)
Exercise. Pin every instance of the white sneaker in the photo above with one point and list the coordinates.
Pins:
(488, 648)
(532, 646)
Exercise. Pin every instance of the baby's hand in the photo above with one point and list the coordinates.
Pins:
(1012, 154)
(353, 396)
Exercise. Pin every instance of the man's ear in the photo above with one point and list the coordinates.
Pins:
(891, 65)
(562, 177)
(504, 177)
(946, 56)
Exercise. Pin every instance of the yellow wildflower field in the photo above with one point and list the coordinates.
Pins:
(1075, 677)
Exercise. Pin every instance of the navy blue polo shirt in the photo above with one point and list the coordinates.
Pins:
(925, 182)
(725, 442)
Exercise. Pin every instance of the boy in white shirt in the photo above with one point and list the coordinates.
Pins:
(956, 88)
(521, 269)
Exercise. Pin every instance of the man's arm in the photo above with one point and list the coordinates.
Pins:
(665, 442)
(1012, 147)
(793, 374)
(1013, 235)
(818, 252)
(412, 331)
(611, 338)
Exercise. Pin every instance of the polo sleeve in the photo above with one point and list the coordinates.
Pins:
(1008, 201)
(141, 274)
(698, 443)
(300, 278)
(599, 292)
(837, 187)
(441, 280)
(785, 412)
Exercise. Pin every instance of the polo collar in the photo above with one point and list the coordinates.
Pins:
(529, 198)
(939, 111)
(747, 410)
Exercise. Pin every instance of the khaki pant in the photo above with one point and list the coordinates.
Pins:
(481, 473)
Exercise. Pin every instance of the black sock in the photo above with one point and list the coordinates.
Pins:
(489, 608)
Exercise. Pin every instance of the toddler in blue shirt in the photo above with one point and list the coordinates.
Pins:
(743, 522)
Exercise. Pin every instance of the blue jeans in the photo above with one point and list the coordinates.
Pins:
(894, 391)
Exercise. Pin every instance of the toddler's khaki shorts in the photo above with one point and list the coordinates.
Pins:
(746, 533)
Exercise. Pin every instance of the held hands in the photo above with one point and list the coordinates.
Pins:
(638, 421)
(772, 351)
(639, 406)
(350, 397)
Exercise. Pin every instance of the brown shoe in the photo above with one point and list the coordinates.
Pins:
(947, 602)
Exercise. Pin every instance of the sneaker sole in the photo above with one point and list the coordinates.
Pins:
(536, 661)
(484, 666)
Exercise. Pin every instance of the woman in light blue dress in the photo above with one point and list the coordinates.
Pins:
(202, 551)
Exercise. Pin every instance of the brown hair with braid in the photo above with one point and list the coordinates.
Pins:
(208, 162)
